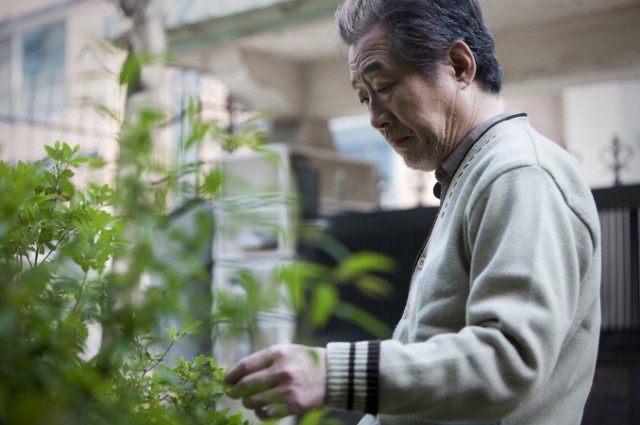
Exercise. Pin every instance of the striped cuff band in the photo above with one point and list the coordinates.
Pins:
(352, 376)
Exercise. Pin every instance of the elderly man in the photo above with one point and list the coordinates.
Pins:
(502, 318)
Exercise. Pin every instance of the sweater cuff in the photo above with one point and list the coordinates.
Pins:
(352, 376)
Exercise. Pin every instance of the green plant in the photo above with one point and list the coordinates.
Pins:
(82, 339)
(59, 279)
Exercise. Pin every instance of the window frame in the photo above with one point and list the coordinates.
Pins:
(20, 105)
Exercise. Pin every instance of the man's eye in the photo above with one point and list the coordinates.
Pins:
(383, 90)
(364, 100)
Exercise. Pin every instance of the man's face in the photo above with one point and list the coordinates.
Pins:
(414, 114)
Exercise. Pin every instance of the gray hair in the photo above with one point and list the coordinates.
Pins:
(423, 31)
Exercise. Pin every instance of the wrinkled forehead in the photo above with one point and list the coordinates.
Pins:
(353, 59)
(374, 40)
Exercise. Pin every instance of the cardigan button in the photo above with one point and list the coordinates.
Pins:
(421, 262)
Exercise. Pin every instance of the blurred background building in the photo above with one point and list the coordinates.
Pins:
(573, 65)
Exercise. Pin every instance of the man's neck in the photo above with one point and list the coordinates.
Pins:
(482, 107)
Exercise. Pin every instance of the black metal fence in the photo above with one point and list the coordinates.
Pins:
(619, 210)
(615, 395)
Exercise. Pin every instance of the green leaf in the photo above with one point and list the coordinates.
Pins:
(374, 286)
(191, 327)
(213, 181)
(316, 237)
(67, 152)
(363, 262)
(51, 152)
(67, 174)
(79, 160)
(173, 332)
(363, 319)
(130, 72)
(324, 301)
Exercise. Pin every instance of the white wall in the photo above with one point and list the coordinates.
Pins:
(594, 115)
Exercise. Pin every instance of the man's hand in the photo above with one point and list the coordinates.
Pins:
(281, 380)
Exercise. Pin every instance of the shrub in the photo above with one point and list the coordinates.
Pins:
(82, 341)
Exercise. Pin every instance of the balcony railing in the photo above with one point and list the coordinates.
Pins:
(619, 210)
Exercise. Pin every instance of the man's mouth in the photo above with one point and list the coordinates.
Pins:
(396, 142)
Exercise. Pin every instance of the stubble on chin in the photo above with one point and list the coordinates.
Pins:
(428, 158)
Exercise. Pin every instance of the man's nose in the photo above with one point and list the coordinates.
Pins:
(379, 115)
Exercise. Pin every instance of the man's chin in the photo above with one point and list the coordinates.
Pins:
(418, 164)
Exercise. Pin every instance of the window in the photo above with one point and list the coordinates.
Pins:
(32, 66)
(5, 79)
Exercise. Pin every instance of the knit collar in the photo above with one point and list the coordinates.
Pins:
(445, 172)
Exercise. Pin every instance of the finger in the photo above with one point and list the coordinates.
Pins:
(272, 412)
(255, 383)
(246, 366)
(265, 413)
(258, 401)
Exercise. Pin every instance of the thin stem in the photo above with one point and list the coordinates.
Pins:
(154, 362)
(188, 169)
(58, 173)
(28, 261)
(80, 291)
(64, 238)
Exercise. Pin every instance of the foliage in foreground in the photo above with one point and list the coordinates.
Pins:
(69, 267)
(81, 340)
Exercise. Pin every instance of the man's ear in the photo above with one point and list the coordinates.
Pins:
(464, 64)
